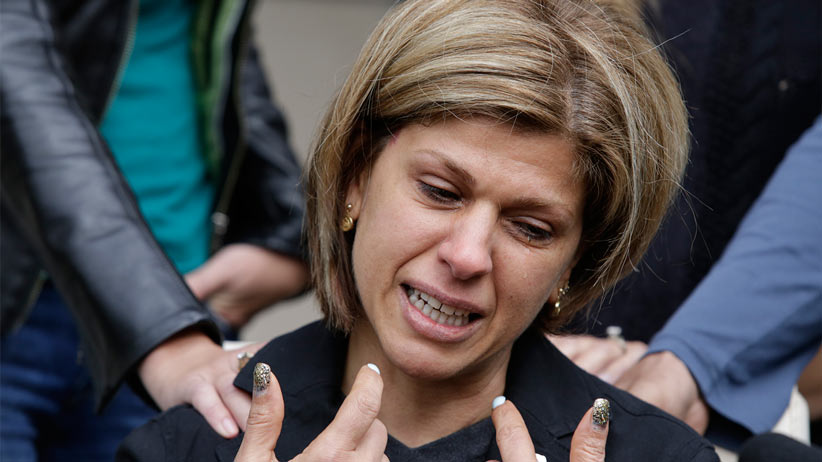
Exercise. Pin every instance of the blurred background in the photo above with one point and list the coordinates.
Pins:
(307, 47)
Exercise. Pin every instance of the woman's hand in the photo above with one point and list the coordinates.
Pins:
(190, 368)
(605, 358)
(354, 435)
(241, 279)
(514, 442)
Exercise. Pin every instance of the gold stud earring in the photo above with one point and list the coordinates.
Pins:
(347, 221)
(558, 305)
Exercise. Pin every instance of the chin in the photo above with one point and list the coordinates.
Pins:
(423, 363)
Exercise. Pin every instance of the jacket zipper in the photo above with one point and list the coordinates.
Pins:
(128, 48)
(219, 218)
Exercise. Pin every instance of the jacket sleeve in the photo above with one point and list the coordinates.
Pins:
(268, 204)
(750, 327)
(68, 197)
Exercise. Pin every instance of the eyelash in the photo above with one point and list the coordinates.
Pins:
(529, 232)
(533, 233)
(440, 195)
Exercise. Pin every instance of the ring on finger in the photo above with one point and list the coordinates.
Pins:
(242, 358)
(614, 334)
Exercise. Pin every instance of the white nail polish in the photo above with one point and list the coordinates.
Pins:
(497, 402)
(374, 368)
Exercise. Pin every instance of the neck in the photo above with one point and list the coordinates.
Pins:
(419, 410)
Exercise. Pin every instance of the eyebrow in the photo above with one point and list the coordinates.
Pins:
(520, 203)
(530, 203)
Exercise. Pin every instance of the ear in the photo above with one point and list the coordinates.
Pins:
(562, 281)
(356, 194)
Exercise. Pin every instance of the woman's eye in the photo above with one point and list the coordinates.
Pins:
(533, 233)
(438, 194)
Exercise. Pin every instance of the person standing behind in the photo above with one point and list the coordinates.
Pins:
(750, 71)
(137, 138)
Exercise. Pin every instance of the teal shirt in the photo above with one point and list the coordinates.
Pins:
(152, 128)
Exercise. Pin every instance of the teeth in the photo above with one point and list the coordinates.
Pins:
(436, 310)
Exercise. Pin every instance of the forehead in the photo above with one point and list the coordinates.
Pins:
(526, 166)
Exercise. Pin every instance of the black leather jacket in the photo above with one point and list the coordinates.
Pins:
(67, 210)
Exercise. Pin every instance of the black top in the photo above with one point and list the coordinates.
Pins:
(550, 392)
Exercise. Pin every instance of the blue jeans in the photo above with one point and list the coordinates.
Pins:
(46, 395)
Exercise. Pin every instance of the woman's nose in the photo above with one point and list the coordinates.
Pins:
(467, 248)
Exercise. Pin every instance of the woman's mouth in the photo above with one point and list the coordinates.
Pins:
(436, 310)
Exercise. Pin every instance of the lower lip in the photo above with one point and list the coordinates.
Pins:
(429, 328)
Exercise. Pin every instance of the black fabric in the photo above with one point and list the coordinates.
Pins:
(751, 77)
(773, 447)
(551, 393)
(470, 443)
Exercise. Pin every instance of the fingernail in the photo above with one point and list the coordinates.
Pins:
(262, 377)
(602, 413)
(541, 458)
(374, 368)
(497, 402)
(229, 427)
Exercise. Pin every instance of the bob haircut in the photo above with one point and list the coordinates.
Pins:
(579, 69)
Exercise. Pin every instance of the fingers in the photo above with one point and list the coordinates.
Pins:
(358, 412)
(588, 352)
(372, 445)
(265, 418)
(663, 380)
(355, 434)
(612, 371)
(238, 403)
(203, 282)
(570, 345)
(603, 357)
(206, 400)
(512, 435)
(598, 355)
(183, 370)
(588, 442)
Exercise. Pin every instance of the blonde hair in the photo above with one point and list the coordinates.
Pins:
(576, 68)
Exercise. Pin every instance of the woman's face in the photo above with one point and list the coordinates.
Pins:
(482, 222)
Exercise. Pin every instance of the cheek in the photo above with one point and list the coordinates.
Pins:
(527, 284)
(386, 238)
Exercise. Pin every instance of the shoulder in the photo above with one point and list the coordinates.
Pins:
(179, 434)
(641, 431)
(553, 394)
